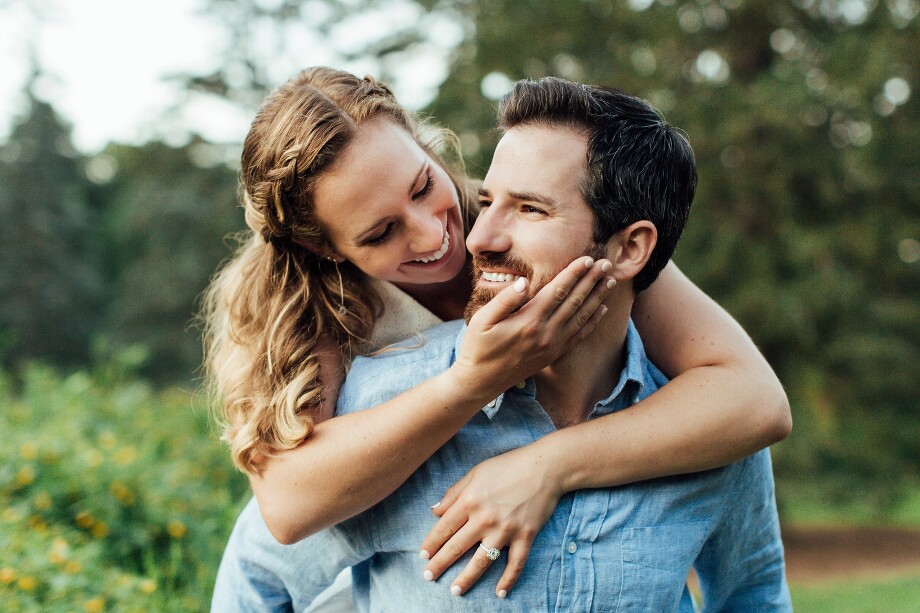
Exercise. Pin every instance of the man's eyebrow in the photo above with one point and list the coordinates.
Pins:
(528, 196)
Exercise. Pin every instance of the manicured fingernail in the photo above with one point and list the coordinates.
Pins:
(423, 554)
(606, 266)
(435, 505)
(603, 312)
(611, 282)
(502, 593)
(518, 287)
(588, 262)
(455, 590)
(429, 576)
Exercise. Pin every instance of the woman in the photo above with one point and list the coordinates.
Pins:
(357, 240)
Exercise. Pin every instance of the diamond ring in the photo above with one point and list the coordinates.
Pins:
(491, 552)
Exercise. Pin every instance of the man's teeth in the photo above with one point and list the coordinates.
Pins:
(437, 255)
(499, 276)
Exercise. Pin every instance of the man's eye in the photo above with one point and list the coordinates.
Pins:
(532, 209)
(380, 237)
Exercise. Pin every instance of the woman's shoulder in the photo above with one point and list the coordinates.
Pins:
(403, 317)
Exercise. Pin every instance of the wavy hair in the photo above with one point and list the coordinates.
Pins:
(278, 303)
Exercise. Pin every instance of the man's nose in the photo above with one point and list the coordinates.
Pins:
(488, 235)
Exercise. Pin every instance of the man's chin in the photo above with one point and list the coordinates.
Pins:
(479, 298)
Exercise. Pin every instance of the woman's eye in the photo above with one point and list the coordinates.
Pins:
(426, 189)
(484, 204)
(376, 240)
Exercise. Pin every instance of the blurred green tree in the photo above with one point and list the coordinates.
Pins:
(164, 214)
(50, 290)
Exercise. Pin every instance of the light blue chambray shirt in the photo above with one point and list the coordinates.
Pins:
(627, 548)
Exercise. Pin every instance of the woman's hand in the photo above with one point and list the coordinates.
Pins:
(511, 337)
(503, 503)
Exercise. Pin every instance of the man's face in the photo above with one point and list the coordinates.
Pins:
(533, 220)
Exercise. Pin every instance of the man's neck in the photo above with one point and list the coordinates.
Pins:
(569, 388)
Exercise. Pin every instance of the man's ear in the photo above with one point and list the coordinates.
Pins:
(630, 249)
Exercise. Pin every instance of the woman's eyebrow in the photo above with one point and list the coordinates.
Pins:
(420, 172)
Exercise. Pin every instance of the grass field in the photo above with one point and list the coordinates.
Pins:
(884, 596)
(115, 496)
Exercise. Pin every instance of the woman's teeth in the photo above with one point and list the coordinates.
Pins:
(499, 276)
(437, 255)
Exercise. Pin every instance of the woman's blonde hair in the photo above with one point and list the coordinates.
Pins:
(278, 301)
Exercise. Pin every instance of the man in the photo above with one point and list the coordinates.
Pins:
(579, 171)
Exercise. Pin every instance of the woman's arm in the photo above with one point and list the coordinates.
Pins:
(723, 404)
(351, 462)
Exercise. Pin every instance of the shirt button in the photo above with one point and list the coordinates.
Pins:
(491, 404)
(572, 547)
(521, 384)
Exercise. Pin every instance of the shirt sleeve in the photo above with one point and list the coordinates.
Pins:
(741, 567)
(258, 574)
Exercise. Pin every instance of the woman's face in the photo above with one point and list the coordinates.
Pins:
(391, 210)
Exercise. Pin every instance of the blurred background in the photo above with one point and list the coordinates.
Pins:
(120, 134)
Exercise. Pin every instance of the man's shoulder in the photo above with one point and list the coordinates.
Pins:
(392, 370)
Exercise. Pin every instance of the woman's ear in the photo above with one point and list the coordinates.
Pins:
(321, 252)
(630, 249)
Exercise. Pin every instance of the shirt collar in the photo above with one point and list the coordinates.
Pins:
(633, 372)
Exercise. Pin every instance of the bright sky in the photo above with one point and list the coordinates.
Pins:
(106, 60)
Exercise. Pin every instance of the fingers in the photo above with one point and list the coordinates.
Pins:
(474, 569)
(450, 496)
(444, 529)
(503, 304)
(465, 539)
(585, 297)
(517, 557)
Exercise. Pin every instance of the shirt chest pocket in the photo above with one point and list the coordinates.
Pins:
(656, 561)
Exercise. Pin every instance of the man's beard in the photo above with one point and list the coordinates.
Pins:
(517, 266)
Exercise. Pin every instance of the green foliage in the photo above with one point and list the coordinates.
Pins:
(858, 596)
(164, 215)
(114, 496)
(49, 288)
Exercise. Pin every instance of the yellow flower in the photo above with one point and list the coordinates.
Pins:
(11, 515)
(28, 451)
(100, 530)
(38, 524)
(94, 458)
(42, 501)
(176, 529)
(27, 583)
(84, 520)
(72, 567)
(25, 476)
(59, 551)
(94, 605)
(122, 493)
(148, 586)
(107, 440)
(126, 455)
(7, 575)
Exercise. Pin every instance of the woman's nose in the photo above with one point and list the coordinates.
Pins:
(427, 233)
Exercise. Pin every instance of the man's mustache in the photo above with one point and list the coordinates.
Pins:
(504, 261)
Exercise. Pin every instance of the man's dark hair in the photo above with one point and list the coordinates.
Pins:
(638, 167)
